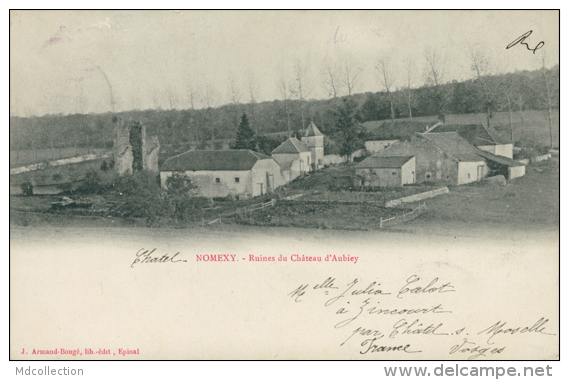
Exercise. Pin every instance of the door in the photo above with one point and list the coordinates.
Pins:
(480, 172)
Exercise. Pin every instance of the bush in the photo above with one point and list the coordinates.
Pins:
(92, 183)
(179, 183)
(105, 166)
(142, 182)
(27, 188)
(142, 197)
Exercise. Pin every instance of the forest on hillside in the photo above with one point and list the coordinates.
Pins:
(181, 128)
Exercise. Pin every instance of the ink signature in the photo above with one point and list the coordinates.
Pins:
(520, 40)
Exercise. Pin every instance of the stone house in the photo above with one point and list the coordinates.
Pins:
(447, 158)
(390, 171)
(481, 136)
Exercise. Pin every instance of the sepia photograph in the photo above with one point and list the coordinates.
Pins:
(284, 185)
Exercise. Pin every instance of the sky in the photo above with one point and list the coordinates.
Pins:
(99, 61)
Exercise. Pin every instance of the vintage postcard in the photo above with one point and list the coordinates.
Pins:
(284, 185)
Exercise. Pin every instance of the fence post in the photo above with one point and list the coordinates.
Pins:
(381, 222)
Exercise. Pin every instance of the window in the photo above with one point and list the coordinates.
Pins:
(468, 175)
(236, 179)
(393, 173)
(428, 176)
(217, 180)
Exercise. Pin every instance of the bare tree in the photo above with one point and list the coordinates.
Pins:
(285, 90)
(386, 78)
(210, 99)
(480, 65)
(522, 87)
(171, 97)
(193, 92)
(155, 99)
(331, 78)
(301, 87)
(547, 96)
(435, 65)
(234, 95)
(193, 97)
(252, 87)
(409, 71)
(510, 88)
(112, 100)
(350, 73)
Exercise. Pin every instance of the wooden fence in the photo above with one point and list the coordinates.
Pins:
(403, 217)
(242, 212)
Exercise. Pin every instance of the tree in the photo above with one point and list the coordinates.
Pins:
(252, 88)
(350, 73)
(266, 144)
(434, 75)
(480, 64)
(409, 70)
(234, 94)
(387, 80)
(210, 100)
(301, 87)
(350, 133)
(179, 183)
(284, 88)
(547, 97)
(245, 137)
(331, 80)
(193, 94)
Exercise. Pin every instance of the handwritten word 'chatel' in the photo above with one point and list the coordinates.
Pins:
(145, 256)
(399, 318)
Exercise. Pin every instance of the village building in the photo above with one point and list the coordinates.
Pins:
(314, 141)
(390, 171)
(240, 173)
(497, 164)
(385, 133)
(447, 158)
(481, 136)
(374, 146)
(294, 158)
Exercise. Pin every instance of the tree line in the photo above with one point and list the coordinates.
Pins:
(207, 127)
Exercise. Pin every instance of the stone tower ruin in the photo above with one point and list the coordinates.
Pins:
(132, 150)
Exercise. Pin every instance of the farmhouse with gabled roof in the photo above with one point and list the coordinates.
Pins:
(294, 157)
(389, 171)
(481, 136)
(217, 173)
(449, 158)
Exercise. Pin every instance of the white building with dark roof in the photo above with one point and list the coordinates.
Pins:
(294, 157)
(314, 141)
(241, 173)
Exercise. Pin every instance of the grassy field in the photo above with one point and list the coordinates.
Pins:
(528, 125)
(27, 157)
(323, 215)
(529, 203)
(57, 174)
